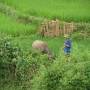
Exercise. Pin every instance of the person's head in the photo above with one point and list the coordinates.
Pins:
(66, 36)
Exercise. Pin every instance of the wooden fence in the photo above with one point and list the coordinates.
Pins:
(56, 28)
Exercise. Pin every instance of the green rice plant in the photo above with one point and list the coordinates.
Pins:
(77, 10)
(9, 26)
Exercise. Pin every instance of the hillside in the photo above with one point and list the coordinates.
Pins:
(76, 10)
(24, 68)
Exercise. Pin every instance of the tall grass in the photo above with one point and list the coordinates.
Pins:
(63, 75)
(35, 71)
(56, 74)
(55, 44)
(71, 10)
(10, 26)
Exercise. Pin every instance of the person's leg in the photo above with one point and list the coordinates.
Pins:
(67, 55)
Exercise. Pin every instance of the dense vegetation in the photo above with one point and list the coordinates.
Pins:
(23, 69)
(29, 70)
(76, 10)
(9, 26)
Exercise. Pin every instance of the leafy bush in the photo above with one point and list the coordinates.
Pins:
(33, 70)
(9, 55)
(62, 75)
(17, 66)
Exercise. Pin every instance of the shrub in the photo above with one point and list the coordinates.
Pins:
(9, 55)
(18, 68)
(63, 75)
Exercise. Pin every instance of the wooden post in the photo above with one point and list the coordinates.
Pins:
(57, 28)
(64, 28)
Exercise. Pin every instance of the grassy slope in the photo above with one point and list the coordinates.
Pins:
(25, 42)
(79, 11)
(55, 44)
(79, 46)
(76, 10)
(10, 26)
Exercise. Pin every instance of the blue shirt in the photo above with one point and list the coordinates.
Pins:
(67, 47)
(67, 43)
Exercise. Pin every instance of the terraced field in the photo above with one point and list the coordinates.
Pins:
(76, 10)
(23, 69)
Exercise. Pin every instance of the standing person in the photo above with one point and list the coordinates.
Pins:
(67, 45)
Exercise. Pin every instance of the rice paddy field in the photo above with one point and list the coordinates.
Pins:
(10, 26)
(76, 10)
(21, 68)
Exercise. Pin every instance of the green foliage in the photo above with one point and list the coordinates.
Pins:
(71, 10)
(18, 67)
(32, 70)
(9, 54)
(27, 68)
(11, 26)
(63, 75)
(23, 69)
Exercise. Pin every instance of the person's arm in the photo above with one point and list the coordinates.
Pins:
(67, 44)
